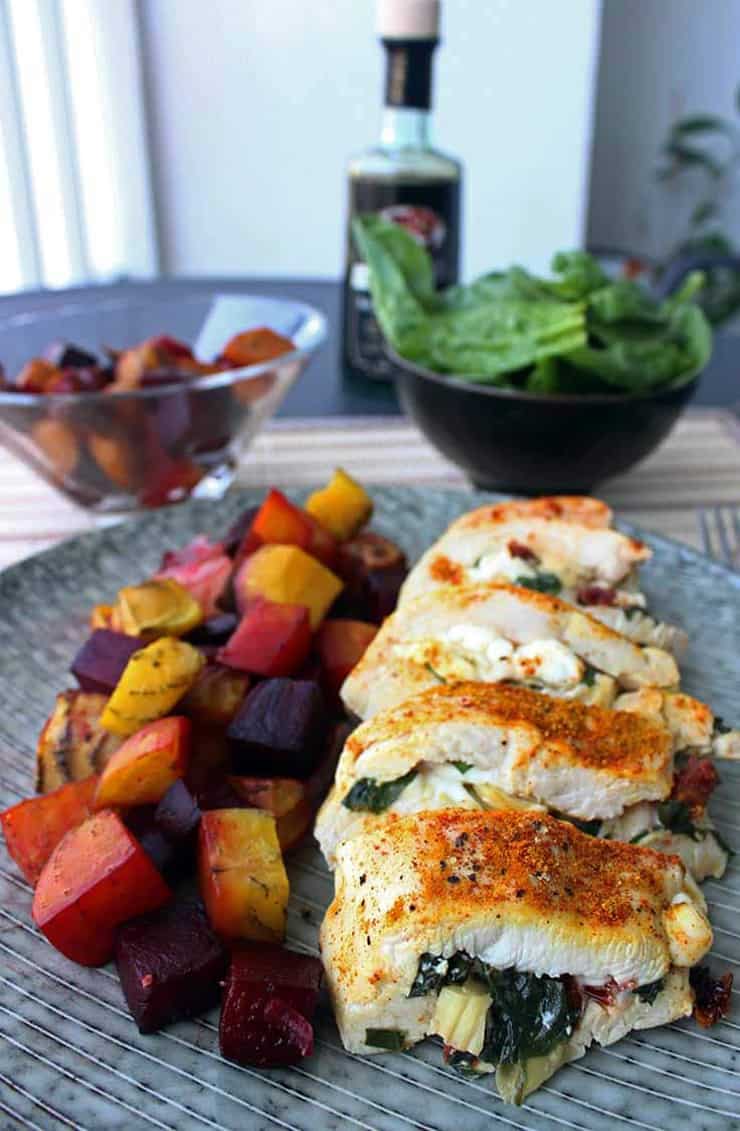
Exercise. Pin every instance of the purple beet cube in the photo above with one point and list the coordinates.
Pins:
(213, 632)
(177, 815)
(65, 355)
(269, 1000)
(219, 793)
(239, 529)
(171, 859)
(170, 963)
(280, 729)
(100, 662)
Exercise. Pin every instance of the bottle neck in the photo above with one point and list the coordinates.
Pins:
(405, 127)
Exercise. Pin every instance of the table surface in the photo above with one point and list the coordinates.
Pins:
(698, 465)
(325, 390)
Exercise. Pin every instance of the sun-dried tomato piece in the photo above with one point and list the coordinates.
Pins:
(711, 995)
(596, 595)
(693, 783)
(521, 550)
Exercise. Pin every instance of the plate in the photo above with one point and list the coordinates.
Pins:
(70, 1056)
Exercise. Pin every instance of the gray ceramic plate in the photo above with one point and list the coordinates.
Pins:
(71, 1057)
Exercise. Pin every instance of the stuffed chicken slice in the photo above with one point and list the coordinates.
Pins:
(514, 937)
(484, 746)
(549, 549)
(494, 632)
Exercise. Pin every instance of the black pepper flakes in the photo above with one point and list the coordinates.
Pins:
(520, 893)
(453, 879)
(443, 864)
(473, 878)
(363, 878)
(367, 939)
(460, 840)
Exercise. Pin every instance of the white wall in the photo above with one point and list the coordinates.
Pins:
(660, 59)
(255, 105)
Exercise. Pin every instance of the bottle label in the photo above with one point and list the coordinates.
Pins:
(430, 213)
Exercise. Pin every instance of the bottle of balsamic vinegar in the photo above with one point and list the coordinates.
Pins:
(403, 178)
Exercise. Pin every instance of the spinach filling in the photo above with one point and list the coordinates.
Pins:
(529, 1014)
(676, 817)
(373, 796)
(589, 676)
(590, 828)
(462, 767)
(542, 582)
(650, 991)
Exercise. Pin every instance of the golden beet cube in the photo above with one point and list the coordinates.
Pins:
(241, 874)
(343, 506)
(154, 679)
(288, 575)
(162, 607)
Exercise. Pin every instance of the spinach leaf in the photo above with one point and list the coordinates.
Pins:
(437, 676)
(676, 817)
(529, 1016)
(430, 977)
(589, 676)
(462, 767)
(392, 1039)
(650, 990)
(542, 582)
(372, 796)
(576, 332)
(590, 828)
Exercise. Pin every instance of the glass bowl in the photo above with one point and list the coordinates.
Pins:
(119, 452)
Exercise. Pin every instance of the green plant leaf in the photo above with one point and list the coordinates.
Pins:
(701, 123)
(703, 211)
(688, 155)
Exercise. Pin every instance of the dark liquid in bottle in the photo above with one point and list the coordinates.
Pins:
(430, 211)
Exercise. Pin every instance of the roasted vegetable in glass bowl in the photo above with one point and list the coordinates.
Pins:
(154, 423)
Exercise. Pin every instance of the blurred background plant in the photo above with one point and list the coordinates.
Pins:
(704, 149)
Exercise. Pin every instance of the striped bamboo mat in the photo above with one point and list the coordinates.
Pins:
(698, 465)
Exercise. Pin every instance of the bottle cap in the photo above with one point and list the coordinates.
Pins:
(408, 19)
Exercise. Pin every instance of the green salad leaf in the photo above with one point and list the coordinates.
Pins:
(576, 332)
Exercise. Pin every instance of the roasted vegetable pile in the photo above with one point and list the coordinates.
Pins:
(202, 736)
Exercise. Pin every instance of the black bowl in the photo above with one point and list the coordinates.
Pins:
(534, 443)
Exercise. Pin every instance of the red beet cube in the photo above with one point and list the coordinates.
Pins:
(280, 729)
(280, 521)
(97, 877)
(269, 1000)
(197, 551)
(340, 645)
(170, 963)
(101, 660)
(33, 828)
(271, 640)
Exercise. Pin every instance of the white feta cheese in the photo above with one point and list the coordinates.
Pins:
(548, 661)
(499, 565)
